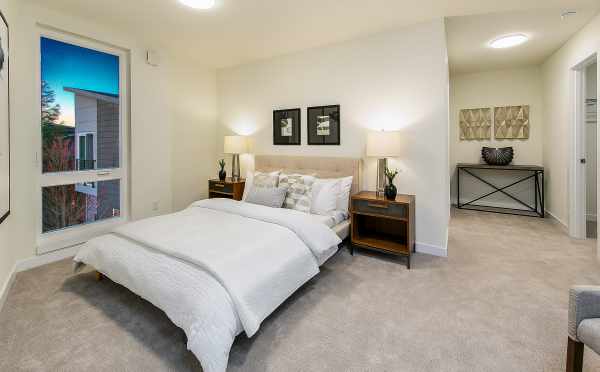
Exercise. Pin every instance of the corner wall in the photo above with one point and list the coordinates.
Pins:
(8, 255)
(396, 80)
(558, 88)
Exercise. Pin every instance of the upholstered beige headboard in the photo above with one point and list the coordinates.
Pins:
(322, 167)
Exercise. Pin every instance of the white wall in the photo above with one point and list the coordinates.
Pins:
(193, 105)
(558, 90)
(160, 113)
(522, 86)
(393, 80)
(591, 133)
(8, 255)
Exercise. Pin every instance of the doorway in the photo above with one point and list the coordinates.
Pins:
(591, 133)
(584, 162)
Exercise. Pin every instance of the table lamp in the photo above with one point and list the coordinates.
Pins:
(382, 145)
(235, 145)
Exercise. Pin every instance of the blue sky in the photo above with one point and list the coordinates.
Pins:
(67, 65)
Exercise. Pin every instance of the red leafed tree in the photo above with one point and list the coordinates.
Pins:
(59, 155)
(63, 205)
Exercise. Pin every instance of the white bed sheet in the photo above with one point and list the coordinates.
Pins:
(180, 289)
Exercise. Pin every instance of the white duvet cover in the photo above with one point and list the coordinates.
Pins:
(215, 268)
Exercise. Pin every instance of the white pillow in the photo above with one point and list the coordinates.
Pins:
(270, 180)
(325, 193)
(344, 197)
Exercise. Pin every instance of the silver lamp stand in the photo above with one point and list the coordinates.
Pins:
(381, 182)
(235, 167)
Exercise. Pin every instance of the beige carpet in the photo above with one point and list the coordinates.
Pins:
(498, 303)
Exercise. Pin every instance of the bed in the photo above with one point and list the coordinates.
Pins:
(252, 259)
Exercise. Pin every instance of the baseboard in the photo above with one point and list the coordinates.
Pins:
(558, 220)
(431, 249)
(7, 285)
(31, 263)
(44, 259)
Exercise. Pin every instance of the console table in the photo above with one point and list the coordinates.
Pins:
(528, 172)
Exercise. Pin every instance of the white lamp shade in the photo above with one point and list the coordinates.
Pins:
(383, 144)
(235, 145)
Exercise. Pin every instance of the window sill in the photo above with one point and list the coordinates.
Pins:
(69, 237)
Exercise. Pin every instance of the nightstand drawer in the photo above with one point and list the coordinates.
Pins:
(381, 208)
(220, 186)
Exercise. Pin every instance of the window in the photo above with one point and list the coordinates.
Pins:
(83, 180)
(85, 152)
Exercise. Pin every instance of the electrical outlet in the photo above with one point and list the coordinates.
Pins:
(155, 206)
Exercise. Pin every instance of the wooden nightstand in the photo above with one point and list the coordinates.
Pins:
(226, 189)
(383, 225)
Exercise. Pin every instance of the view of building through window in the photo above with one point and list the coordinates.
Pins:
(80, 130)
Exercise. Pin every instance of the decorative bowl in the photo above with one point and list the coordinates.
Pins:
(501, 156)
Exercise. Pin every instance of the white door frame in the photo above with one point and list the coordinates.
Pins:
(577, 169)
(51, 241)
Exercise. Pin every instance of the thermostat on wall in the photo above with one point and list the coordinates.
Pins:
(152, 58)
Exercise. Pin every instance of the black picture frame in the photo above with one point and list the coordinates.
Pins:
(6, 65)
(295, 133)
(315, 118)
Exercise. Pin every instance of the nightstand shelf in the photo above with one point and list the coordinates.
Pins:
(383, 243)
(228, 189)
(384, 225)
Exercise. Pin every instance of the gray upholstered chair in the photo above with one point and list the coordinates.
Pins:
(584, 324)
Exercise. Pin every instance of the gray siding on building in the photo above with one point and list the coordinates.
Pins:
(108, 135)
(86, 113)
(108, 199)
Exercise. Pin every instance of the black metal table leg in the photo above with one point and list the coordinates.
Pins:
(543, 200)
(536, 190)
(458, 187)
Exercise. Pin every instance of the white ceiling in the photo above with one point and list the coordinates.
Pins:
(468, 37)
(239, 31)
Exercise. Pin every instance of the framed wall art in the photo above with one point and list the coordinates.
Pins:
(323, 125)
(511, 122)
(475, 124)
(4, 122)
(286, 127)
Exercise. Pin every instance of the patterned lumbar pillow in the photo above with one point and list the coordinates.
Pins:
(299, 194)
(267, 196)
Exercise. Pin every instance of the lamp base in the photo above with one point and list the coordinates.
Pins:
(381, 182)
(235, 167)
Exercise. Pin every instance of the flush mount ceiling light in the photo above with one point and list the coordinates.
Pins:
(508, 41)
(199, 4)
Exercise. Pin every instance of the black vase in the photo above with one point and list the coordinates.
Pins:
(390, 191)
(222, 174)
(501, 156)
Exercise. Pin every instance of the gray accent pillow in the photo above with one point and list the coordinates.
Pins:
(267, 196)
(299, 195)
